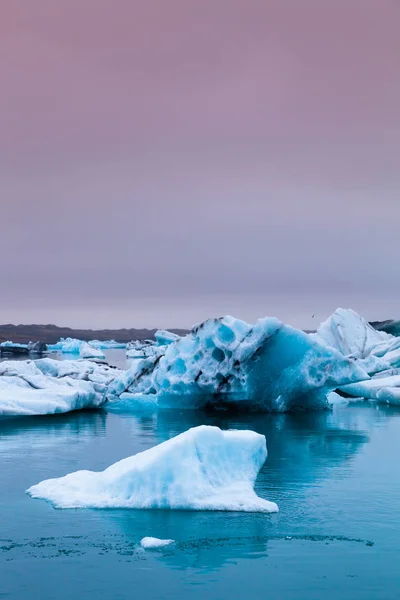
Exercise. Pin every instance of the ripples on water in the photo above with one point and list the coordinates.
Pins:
(334, 475)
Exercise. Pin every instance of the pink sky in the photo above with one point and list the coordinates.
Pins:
(163, 160)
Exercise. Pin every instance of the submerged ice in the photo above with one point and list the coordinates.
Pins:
(203, 468)
(227, 362)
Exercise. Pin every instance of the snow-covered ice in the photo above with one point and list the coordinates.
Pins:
(203, 468)
(49, 386)
(150, 543)
(227, 362)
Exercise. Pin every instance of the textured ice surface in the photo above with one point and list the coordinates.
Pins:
(141, 349)
(375, 351)
(48, 386)
(384, 387)
(150, 543)
(164, 338)
(353, 336)
(228, 363)
(203, 468)
(74, 346)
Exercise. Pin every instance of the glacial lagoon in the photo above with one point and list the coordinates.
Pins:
(335, 476)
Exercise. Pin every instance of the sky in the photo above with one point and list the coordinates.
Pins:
(162, 162)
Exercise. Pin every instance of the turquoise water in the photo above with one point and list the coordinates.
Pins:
(335, 477)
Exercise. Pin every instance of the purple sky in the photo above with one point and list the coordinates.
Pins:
(166, 161)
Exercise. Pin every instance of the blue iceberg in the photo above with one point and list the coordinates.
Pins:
(74, 346)
(228, 363)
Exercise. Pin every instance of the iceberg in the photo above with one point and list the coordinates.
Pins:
(150, 543)
(164, 337)
(375, 351)
(107, 345)
(383, 387)
(228, 363)
(74, 346)
(353, 336)
(141, 349)
(48, 386)
(88, 351)
(203, 468)
(9, 344)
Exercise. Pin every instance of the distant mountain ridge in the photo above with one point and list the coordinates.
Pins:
(50, 334)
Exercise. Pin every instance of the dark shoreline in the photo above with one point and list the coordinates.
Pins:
(50, 334)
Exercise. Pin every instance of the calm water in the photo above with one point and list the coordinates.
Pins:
(335, 477)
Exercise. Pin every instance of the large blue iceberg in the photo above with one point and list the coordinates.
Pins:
(203, 468)
(228, 363)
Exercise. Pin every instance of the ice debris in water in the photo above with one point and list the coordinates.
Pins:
(74, 346)
(203, 468)
(49, 386)
(226, 362)
(149, 543)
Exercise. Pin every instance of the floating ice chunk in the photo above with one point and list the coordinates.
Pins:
(203, 468)
(67, 345)
(350, 334)
(88, 351)
(9, 344)
(74, 346)
(353, 336)
(18, 398)
(48, 386)
(227, 362)
(107, 345)
(380, 388)
(164, 338)
(79, 369)
(150, 543)
(141, 349)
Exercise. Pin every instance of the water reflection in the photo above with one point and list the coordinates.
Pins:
(308, 454)
(304, 450)
(47, 430)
